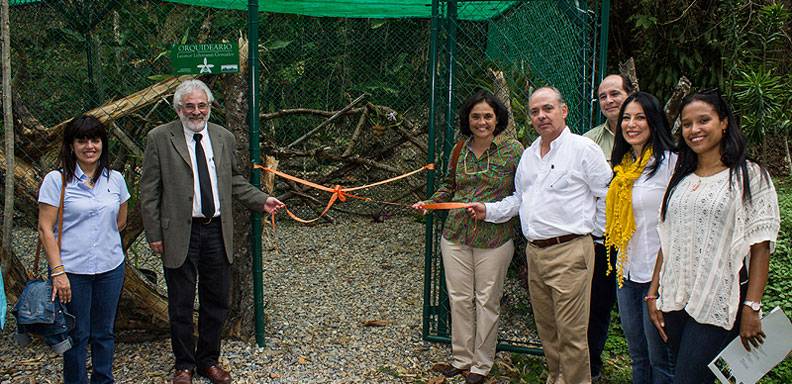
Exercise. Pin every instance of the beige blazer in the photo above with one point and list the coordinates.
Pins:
(166, 189)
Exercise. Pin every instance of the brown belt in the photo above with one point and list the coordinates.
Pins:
(544, 243)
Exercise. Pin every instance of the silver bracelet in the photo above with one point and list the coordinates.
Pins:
(58, 273)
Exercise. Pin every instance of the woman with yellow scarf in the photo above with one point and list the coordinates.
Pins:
(644, 158)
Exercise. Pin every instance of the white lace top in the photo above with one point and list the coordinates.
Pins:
(706, 239)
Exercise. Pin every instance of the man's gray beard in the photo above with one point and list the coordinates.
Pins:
(186, 122)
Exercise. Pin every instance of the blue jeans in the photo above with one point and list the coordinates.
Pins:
(94, 304)
(652, 361)
(695, 345)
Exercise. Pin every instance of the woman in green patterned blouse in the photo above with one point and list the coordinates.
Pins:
(476, 255)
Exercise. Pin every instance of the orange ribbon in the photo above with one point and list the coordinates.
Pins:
(446, 205)
(338, 193)
(438, 206)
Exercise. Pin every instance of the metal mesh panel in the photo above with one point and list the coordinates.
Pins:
(533, 44)
(342, 100)
(109, 58)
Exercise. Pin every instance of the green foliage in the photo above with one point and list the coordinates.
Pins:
(762, 95)
(779, 285)
(741, 46)
(759, 86)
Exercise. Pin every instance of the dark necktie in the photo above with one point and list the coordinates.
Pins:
(207, 201)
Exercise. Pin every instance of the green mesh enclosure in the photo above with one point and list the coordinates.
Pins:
(531, 44)
(349, 92)
(548, 40)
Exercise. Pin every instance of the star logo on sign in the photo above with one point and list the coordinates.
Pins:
(205, 67)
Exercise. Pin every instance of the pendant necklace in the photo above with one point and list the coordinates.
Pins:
(695, 185)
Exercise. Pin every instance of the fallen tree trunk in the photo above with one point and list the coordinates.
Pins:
(122, 107)
(27, 180)
(307, 111)
(14, 274)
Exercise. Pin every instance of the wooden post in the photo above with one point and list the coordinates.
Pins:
(8, 127)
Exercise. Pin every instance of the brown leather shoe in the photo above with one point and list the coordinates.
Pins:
(475, 378)
(182, 376)
(447, 370)
(215, 374)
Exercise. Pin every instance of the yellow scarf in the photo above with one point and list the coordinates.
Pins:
(619, 218)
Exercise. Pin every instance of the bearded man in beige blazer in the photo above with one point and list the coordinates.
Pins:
(190, 175)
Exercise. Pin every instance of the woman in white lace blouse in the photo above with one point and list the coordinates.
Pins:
(718, 225)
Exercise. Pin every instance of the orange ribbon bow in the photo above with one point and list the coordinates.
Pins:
(338, 193)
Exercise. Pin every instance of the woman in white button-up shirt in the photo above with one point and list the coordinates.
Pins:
(719, 222)
(644, 158)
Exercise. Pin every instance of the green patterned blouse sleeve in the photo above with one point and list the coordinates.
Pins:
(487, 178)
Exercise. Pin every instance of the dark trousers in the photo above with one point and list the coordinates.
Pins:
(206, 263)
(695, 345)
(603, 296)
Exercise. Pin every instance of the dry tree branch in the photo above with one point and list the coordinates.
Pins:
(328, 121)
(356, 133)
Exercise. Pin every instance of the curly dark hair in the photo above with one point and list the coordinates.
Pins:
(501, 114)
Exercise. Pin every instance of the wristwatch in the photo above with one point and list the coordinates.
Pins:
(755, 305)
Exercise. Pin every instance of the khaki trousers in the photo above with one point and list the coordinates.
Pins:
(559, 278)
(474, 279)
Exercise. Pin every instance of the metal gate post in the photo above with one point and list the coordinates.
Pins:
(443, 318)
(430, 158)
(255, 175)
(603, 52)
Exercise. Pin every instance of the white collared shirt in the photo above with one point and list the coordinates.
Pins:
(206, 142)
(560, 193)
(647, 196)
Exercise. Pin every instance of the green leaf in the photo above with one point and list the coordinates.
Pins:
(644, 21)
(277, 44)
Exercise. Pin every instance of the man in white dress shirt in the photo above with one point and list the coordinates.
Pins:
(560, 185)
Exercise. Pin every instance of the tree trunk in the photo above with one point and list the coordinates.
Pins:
(144, 306)
(241, 316)
(8, 127)
(787, 157)
(627, 69)
(503, 93)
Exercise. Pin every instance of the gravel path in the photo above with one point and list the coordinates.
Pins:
(321, 284)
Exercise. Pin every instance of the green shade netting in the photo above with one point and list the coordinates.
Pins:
(376, 9)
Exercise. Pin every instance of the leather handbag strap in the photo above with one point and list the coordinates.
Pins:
(60, 225)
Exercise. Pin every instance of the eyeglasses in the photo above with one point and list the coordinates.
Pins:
(192, 107)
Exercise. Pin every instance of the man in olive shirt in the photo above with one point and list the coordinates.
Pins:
(611, 94)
